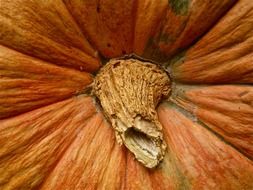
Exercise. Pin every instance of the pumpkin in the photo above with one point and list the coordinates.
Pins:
(127, 94)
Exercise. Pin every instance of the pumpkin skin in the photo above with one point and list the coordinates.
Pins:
(52, 134)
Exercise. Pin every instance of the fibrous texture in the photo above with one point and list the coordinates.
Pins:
(129, 91)
(53, 133)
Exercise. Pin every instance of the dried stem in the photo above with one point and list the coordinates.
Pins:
(129, 91)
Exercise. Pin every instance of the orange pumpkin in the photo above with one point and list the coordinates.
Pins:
(53, 130)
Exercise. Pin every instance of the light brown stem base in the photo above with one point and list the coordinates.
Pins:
(129, 91)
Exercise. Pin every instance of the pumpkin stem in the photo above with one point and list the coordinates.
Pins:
(129, 91)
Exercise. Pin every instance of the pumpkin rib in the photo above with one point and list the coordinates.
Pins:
(102, 170)
(241, 69)
(161, 178)
(42, 33)
(187, 28)
(148, 15)
(123, 186)
(136, 177)
(181, 105)
(42, 185)
(61, 156)
(5, 123)
(173, 172)
(115, 166)
(61, 140)
(38, 139)
(62, 56)
(205, 160)
(224, 55)
(107, 25)
(223, 139)
(224, 109)
(36, 83)
(180, 53)
(88, 169)
(77, 23)
(96, 53)
(222, 14)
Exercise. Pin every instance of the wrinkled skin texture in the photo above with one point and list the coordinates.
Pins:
(53, 134)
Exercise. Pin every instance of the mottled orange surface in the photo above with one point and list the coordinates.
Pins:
(53, 134)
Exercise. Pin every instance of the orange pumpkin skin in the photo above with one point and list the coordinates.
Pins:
(53, 133)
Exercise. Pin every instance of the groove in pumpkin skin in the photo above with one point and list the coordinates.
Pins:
(38, 29)
(224, 54)
(39, 140)
(94, 123)
(183, 96)
(179, 6)
(215, 164)
(176, 59)
(168, 175)
(151, 184)
(148, 16)
(110, 29)
(188, 28)
(137, 176)
(30, 83)
(93, 153)
(86, 122)
(176, 105)
(153, 52)
(117, 166)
